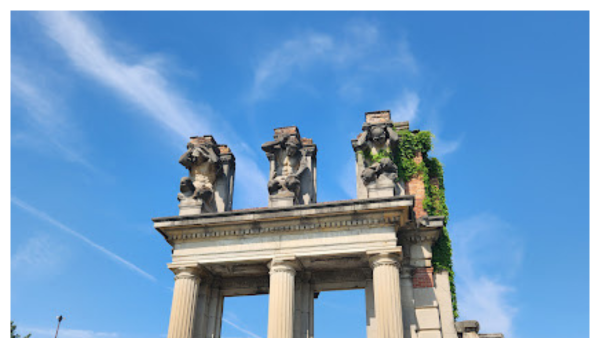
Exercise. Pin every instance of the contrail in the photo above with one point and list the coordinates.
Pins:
(252, 334)
(43, 216)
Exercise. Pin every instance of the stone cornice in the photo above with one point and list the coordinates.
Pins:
(376, 212)
(308, 209)
(425, 229)
(425, 235)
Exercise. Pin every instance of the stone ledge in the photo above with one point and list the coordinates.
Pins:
(467, 326)
(252, 215)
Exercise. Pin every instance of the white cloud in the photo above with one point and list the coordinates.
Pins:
(39, 255)
(45, 217)
(406, 107)
(277, 67)
(66, 333)
(483, 274)
(145, 85)
(45, 115)
(347, 179)
(141, 83)
(485, 300)
(444, 147)
(355, 54)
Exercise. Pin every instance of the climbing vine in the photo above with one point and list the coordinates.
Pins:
(430, 170)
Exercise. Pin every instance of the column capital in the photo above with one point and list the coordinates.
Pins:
(186, 270)
(284, 264)
(392, 256)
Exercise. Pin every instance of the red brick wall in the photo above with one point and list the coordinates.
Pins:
(416, 187)
(423, 278)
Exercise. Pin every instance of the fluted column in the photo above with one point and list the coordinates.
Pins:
(386, 289)
(281, 299)
(185, 294)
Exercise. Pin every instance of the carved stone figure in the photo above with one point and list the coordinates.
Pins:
(386, 168)
(292, 167)
(205, 163)
(376, 178)
(187, 189)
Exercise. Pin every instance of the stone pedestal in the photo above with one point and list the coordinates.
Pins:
(386, 290)
(381, 189)
(185, 294)
(281, 200)
(187, 208)
(281, 299)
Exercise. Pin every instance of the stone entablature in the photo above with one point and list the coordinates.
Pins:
(350, 213)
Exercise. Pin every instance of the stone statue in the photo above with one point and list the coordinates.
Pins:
(377, 178)
(292, 173)
(205, 163)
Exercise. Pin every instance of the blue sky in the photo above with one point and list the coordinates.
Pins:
(102, 104)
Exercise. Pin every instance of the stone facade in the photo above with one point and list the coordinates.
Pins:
(296, 248)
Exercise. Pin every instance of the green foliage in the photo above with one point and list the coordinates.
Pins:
(435, 199)
(432, 173)
(442, 260)
(372, 158)
(410, 144)
(13, 331)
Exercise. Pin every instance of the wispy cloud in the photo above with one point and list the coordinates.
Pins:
(292, 55)
(147, 87)
(444, 147)
(40, 255)
(141, 83)
(355, 54)
(347, 179)
(68, 333)
(47, 218)
(406, 107)
(51, 128)
(484, 275)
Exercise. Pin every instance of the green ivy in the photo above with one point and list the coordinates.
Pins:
(430, 170)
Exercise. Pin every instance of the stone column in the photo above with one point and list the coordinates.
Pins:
(386, 289)
(281, 299)
(409, 319)
(370, 307)
(185, 297)
(304, 306)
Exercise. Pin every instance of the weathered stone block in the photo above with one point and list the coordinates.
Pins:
(382, 116)
(425, 297)
(430, 334)
(428, 318)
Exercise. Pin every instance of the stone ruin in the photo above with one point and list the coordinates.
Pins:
(294, 249)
